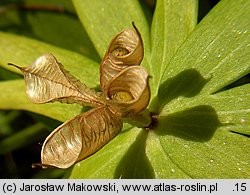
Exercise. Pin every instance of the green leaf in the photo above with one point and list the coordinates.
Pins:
(217, 50)
(196, 138)
(224, 156)
(103, 20)
(26, 51)
(19, 139)
(48, 21)
(163, 166)
(8, 75)
(231, 107)
(13, 96)
(112, 160)
(201, 137)
(172, 23)
(6, 118)
(202, 132)
(50, 174)
(23, 51)
(203, 124)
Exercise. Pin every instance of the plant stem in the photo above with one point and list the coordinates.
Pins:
(142, 119)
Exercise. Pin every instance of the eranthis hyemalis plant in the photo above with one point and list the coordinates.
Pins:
(125, 95)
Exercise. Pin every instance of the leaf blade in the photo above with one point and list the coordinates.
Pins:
(220, 157)
(10, 90)
(164, 166)
(19, 139)
(210, 38)
(27, 50)
(208, 132)
(60, 23)
(231, 107)
(120, 15)
(172, 23)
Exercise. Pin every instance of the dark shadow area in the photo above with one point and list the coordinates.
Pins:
(187, 83)
(241, 81)
(50, 123)
(242, 134)
(34, 20)
(135, 164)
(16, 162)
(10, 24)
(197, 124)
(148, 7)
(204, 7)
(97, 88)
(8, 75)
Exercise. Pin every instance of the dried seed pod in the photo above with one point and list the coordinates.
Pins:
(125, 94)
(47, 81)
(80, 137)
(126, 49)
(129, 92)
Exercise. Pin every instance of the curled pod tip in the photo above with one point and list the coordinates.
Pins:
(129, 91)
(125, 50)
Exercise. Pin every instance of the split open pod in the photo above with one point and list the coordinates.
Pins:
(125, 93)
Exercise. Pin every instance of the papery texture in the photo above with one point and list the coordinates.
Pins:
(47, 81)
(129, 91)
(126, 49)
(80, 137)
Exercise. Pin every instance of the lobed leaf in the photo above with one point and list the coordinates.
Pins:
(195, 137)
(230, 106)
(202, 131)
(224, 156)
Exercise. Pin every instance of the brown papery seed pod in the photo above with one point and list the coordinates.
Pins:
(80, 137)
(47, 81)
(126, 49)
(126, 94)
(129, 91)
